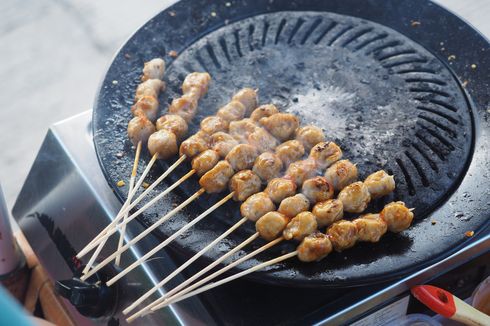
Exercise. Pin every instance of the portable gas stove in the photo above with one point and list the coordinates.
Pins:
(386, 61)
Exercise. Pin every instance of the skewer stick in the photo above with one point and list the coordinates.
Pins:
(171, 238)
(184, 266)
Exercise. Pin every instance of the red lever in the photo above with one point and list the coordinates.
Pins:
(437, 299)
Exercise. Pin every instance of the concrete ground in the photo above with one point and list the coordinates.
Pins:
(53, 55)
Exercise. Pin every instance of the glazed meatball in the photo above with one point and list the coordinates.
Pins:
(248, 97)
(299, 171)
(151, 87)
(262, 140)
(216, 179)
(279, 188)
(370, 227)
(213, 124)
(193, 146)
(205, 161)
(355, 197)
(271, 225)
(300, 226)
(184, 106)
(294, 205)
(163, 143)
(244, 184)
(309, 136)
(317, 189)
(380, 184)
(397, 216)
(241, 129)
(267, 166)
(222, 143)
(325, 154)
(232, 111)
(139, 129)
(290, 151)
(196, 83)
(341, 174)
(255, 206)
(173, 123)
(263, 111)
(328, 211)
(343, 235)
(146, 105)
(242, 157)
(153, 69)
(314, 247)
(281, 125)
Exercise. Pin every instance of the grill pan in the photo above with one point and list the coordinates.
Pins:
(399, 85)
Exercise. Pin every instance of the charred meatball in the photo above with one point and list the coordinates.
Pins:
(325, 154)
(271, 225)
(309, 136)
(355, 197)
(232, 111)
(328, 211)
(300, 226)
(370, 227)
(205, 161)
(281, 125)
(216, 179)
(222, 143)
(292, 206)
(341, 174)
(193, 146)
(314, 247)
(256, 206)
(163, 143)
(244, 184)
(173, 123)
(139, 129)
(263, 111)
(380, 184)
(153, 69)
(248, 97)
(299, 171)
(146, 105)
(290, 151)
(242, 157)
(279, 188)
(397, 216)
(267, 166)
(343, 235)
(317, 189)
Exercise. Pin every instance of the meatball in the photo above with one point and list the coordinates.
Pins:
(317, 189)
(244, 184)
(328, 211)
(290, 151)
(314, 247)
(263, 111)
(294, 205)
(146, 105)
(193, 146)
(173, 123)
(343, 235)
(355, 197)
(325, 154)
(271, 225)
(242, 157)
(185, 106)
(232, 111)
(153, 69)
(241, 129)
(300, 226)
(222, 143)
(380, 184)
(281, 125)
(262, 140)
(196, 83)
(370, 227)
(213, 124)
(205, 161)
(299, 171)
(151, 87)
(216, 179)
(248, 97)
(255, 206)
(341, 174)
(397, 216)
(163, 143)
(279, 188)
(267, 166)
(140, 129)
(309, 136)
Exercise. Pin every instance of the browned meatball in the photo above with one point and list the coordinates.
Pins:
(281, 125)
(173, 123)
(309, 136)
(370, 227)
(267, 166)
(300, 226)
(290, 151)
(397, 216)
(222, 143)
(163, 143)
(325, 154)
(232, 111)
(341, 174)
(317, 189)
(244, 184)
(255, 206)
(242, 157)
(299, 171)
(216, 179)
(343, 234)
(248, 97)
(263, 111)
(271, 225)
(150, 87)
(294, 205)
(153, 69)
(241, 129)
(146, 105)
(185, 106)
(213, 124)
(197, 83)
(314, 247)
(262, 140)
(380, 184)
(328, 211)
(279, 188)
(205, 161)
(192, 146)
(355, 197)
(140, 129)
